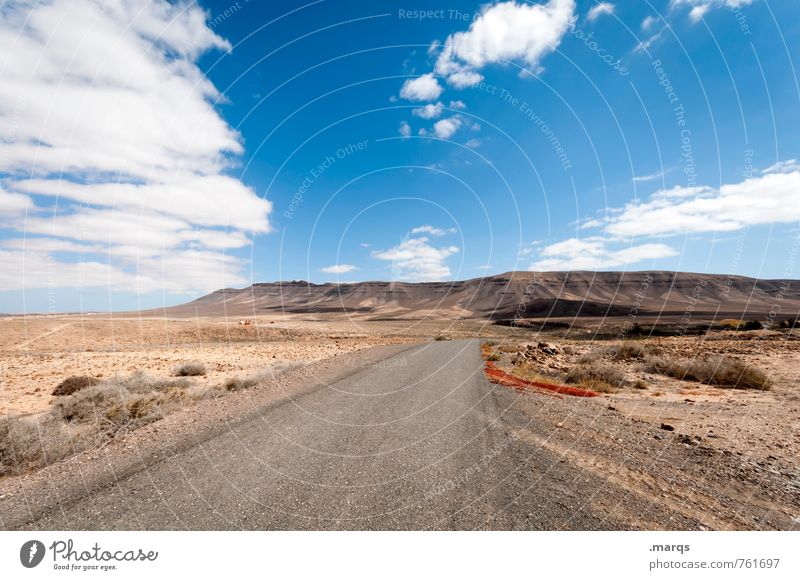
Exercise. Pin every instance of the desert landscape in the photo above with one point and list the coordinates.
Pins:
(721, 390)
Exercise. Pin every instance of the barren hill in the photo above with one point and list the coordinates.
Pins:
(514, 294)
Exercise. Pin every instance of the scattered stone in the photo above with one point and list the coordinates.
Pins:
(547, 348)
(667, 427)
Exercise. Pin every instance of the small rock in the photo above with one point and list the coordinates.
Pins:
(611, 408)
(667, 427)
(546, 348)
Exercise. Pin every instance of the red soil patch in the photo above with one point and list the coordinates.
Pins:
(499, 377)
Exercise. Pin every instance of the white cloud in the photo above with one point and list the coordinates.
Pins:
(503, 32)
(105, 109)
(645, 44)
(196, 199)
(429, 111)
(770, 198)
(473, 143)
(697, 12)
(464, 78)
(14, 203)
(422, 88)
(593, 253)
(338, 269)
(433, 231)
(648, 22)
(788, 166)
(599, 10)
(415, 260)
(699, 8)
(405, 129)
(650, 177)
(457, 105)
(446, 128)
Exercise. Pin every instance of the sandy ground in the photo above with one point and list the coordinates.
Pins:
(37, 353)
(762, 427)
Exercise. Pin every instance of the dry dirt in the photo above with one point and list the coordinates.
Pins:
(761, 427)
(660, 437)
(37, 353)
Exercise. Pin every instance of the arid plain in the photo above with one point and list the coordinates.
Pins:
(720, 393)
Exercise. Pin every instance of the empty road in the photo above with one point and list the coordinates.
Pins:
(420, 440)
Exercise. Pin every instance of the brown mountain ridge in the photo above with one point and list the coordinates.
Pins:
(513, 295)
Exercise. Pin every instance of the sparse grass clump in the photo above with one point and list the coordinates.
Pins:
(596, 377)
(190, 369)
(716, 370)
(628, 351)
(27, 444)
(95, 412)
(74, 384)
(239, 384)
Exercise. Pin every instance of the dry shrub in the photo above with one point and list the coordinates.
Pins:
(141, 382)
(532, 372)
(190, 369)
(73, 385)
(716, 370)
(277, 368)
(589, 358)
(600, 378)
(239, 384)
(27, 444)
(628, 351)
(99, 412)
(123, 403)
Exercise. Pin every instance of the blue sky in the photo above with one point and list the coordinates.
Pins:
(155, 151)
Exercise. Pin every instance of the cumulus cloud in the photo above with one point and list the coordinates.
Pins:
(429, 111)
(416, 260)
(433, 231)
(105, 110)
(769, 198)
(405, 129)
(599, 10)
(594, 253)
(699, 8)
(648, 22)
(788, 166)
(422, 88)
(458, 105)
(446, 128)
(697, 12)
(507, 31)
(464, 78)
(338, 269)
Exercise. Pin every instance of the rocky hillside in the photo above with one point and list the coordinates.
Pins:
(514, 294)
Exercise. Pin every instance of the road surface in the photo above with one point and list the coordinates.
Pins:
(417, 441)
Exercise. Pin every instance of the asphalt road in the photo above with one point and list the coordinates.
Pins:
(418, 441)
